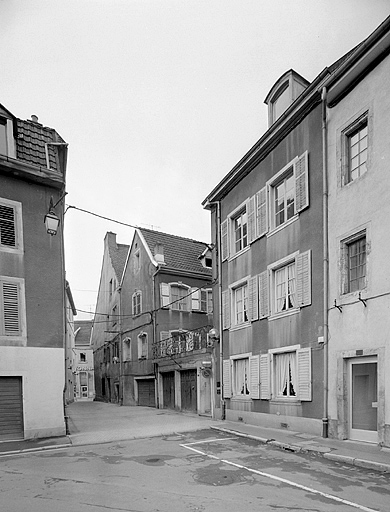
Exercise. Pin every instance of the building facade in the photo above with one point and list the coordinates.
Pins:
(358, 132)
(82, 365)
(158, 350)
(32, 280)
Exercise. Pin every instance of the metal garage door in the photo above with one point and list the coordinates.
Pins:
(146, 393)
(11, 408)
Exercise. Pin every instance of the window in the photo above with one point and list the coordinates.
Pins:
(3, 137)
(357, 151)
(202, 300)
(284, 196)
(10, 225)
(241, 377)
(285, 286)
(137, 261)
(353, 263)
(136, 301)
(209, 301)
(127, 349)
(285, 374)
(12, 307)
(142, 345)
(240, 305)
(176, 296)
(240, 231)
(83, 357)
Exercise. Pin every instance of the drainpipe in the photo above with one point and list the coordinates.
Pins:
(326, 258)
(155, 328)
(120, 347)
(219, 264)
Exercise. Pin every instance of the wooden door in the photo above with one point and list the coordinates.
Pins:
(146, 393)
(168, 380)
(188, 390)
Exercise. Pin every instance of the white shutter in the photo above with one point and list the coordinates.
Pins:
(195, 299)
(164, 289)
(301, 170)
(262, 212)
(251, 207)
(254, 376)
(265, 384)
(304, 373)
(11, 310)
(227, 379)
(224, 240)
(264, 294)
(303, 273)
(225, 310)
(253, 292)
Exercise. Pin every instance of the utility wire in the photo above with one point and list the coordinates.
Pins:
(68, 207)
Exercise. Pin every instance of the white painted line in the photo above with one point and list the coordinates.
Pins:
(209, 441)
(285, 481)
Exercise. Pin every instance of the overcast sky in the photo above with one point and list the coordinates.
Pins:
(158, 99)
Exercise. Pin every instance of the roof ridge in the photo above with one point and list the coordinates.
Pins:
(174, 236)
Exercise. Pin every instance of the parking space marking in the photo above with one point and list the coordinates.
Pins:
(283, 480)
(210, 441)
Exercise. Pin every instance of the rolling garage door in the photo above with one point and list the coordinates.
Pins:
(11, 408)
(146, 393)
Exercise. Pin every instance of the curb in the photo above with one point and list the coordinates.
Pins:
(319, 451)
(38, 449)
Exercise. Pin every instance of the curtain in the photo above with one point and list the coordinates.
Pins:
(282, 372)
(291, 286)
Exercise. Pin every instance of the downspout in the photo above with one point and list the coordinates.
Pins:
(219, 264)
(120, 347)
(326, 258)
(155, 330)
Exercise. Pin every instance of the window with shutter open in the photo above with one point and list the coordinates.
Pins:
(304, 374)
(227, 379)
(254, 376)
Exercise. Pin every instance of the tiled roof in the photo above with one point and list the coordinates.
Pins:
(83, 335)
(118, 254)
(179, 253)
(30, 144)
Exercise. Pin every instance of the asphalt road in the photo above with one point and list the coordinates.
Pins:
(203, 471)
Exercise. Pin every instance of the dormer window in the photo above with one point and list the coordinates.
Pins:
(285, 91)
(7, 141)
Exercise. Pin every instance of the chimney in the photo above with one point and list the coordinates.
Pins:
(159, 253)
(34, 118)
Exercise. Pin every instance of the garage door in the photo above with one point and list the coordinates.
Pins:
(146, 393)
(11, 408)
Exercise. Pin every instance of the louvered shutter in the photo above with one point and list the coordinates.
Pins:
(251, 206)
(262, 212)
(164, 289)
(301, 170)
(7, 226)
(224, 240)
(11, 309)
(303, 273)
(264, 294)
(304, 374)
(254, 376)
(227, 379)
(225, 310)
(265, 385)
(253, 292)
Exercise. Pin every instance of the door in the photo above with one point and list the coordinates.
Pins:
(168, 381)
(146, 392)
(188, 390)
(11, 408)
(363, 400)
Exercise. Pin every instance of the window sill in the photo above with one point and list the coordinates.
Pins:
(285, 401)
(237, 254)
(282, 226)
(284, 314)
(240, 398)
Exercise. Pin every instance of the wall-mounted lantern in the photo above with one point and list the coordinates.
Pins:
(51, 219)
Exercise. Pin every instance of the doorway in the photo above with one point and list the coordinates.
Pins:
(363, 399)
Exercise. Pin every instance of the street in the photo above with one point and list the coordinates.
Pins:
(197, 471)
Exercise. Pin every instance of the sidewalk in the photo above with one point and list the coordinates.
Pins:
(97, 422)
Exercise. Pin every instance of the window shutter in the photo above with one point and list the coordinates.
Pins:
(11, 310)
(263, 294)
(254, 376)
(7, 226)
(224, 240)
(301, 170)
(265, 391)
(304, 374)
(253, 292)
(195, 299)
(225, 310)
(262, 212)
(227, 381)
(303, 266)
(251, 207)
(164, 289)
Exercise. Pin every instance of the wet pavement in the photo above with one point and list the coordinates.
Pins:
(96, 422)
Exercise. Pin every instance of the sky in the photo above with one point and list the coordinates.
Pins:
(158, 100)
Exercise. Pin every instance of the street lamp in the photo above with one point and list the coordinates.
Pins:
(51, 219)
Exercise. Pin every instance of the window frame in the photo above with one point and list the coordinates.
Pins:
(18, 227)
(136, 303)
(357, 125)
(142, 345)
(345, 244)
(168, 302)
(273, 269)
(281, 176)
